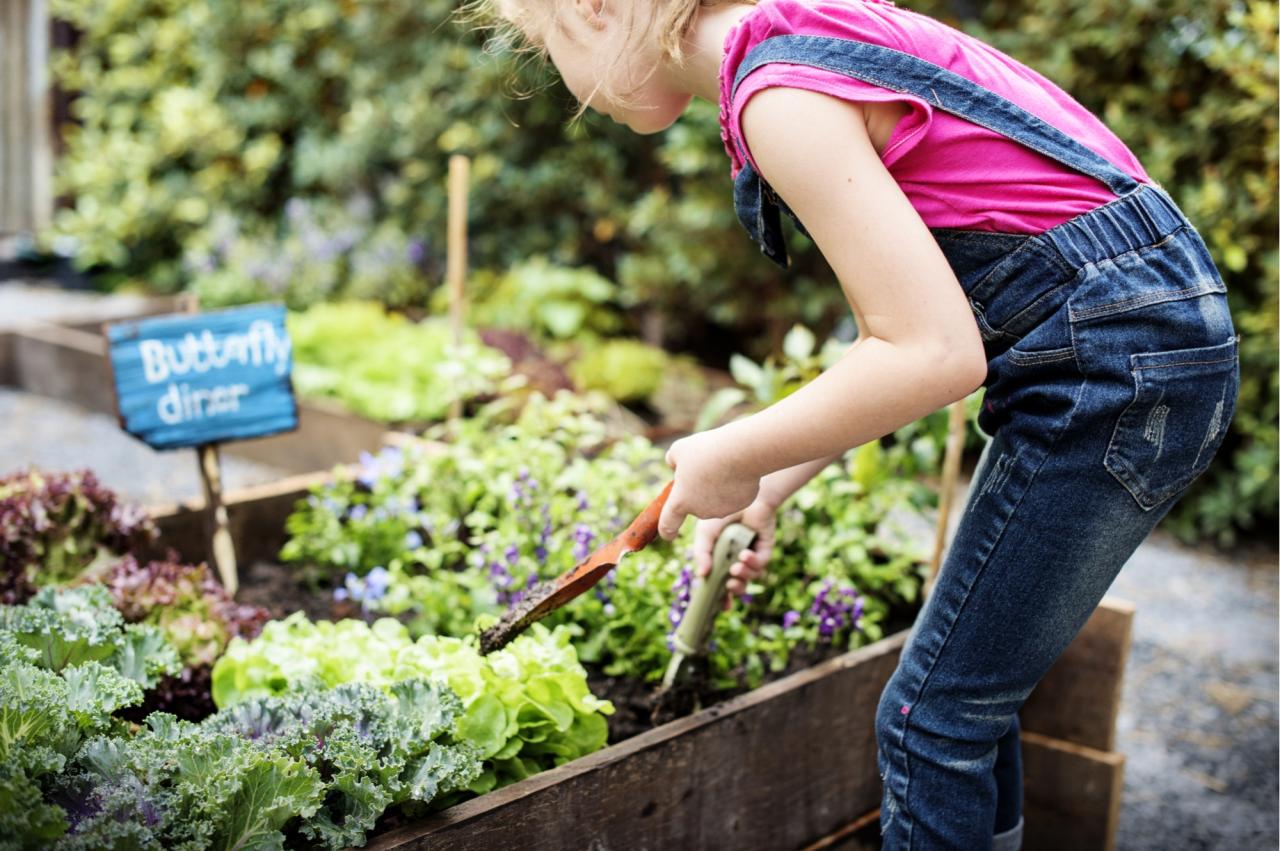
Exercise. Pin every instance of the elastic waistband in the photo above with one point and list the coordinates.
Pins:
(1143, 217)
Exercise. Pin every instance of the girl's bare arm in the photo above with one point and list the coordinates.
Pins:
(920, 347)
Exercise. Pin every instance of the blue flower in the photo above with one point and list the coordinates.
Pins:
(358, 511)
(413, 540)
(376, 582)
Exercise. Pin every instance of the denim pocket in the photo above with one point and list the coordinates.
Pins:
(1183, 401)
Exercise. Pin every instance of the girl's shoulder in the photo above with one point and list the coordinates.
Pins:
(877, 22)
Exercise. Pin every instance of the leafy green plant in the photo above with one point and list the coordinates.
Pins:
(510, 503)
(626, 370)
(550, 301)
(310, 769)
(67, 665)
(385, 367)
(54, 526)
(525, 708)
(69, 627)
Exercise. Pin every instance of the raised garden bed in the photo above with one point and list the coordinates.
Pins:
(803, 745)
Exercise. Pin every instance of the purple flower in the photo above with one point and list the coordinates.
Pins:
(583, 538)
(512, 555)
(416, 251)
(582, 501)
(790, 619)
(836, 609)
(683, 589)
(358, 511)
(388, 463)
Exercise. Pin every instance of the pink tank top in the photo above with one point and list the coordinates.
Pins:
(955, 173)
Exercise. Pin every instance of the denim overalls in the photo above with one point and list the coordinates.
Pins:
(1112, 378)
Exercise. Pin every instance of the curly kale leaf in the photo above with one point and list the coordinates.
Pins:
(70, 627)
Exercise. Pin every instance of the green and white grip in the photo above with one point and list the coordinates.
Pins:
(706, 600)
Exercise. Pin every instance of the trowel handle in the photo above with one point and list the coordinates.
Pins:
(691, 638)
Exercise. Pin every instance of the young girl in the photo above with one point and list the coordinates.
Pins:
(987, 230)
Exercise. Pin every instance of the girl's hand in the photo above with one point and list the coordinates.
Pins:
(762, 516)
(710, 481)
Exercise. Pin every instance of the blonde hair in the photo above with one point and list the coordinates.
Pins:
(512, 20)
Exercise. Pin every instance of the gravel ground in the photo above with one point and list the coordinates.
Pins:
(56, 435)
(1198, 720)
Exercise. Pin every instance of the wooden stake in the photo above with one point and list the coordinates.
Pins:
(222, 550)
(956, 426)
(221, 547)
(456, 257)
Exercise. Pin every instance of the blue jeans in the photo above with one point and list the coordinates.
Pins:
(1112, 378)
(1114, 397)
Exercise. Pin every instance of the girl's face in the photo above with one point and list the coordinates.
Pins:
(623, 78)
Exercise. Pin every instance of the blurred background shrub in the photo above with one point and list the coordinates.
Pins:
(296, 149)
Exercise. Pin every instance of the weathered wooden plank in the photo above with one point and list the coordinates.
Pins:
(1072, 801)
(62, 363)
(7, 370)
(327, 434)
(790, 763)
(1079, 699)
(774, 768)
(256, 518)
(1072, 795)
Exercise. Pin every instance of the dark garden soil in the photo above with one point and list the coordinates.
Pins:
(278, 590)
(641, 706)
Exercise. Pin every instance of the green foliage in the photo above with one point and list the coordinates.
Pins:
(324, 765)
(67, 628)
(525, 708)
(192, 109)
(66, 666)
(183, 785)
(385, 367)
(511, 503)
(320, 250)
(551, 302)
(627, 370)
(373, 749)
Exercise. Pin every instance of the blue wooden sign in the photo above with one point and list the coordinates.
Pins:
(188, 379)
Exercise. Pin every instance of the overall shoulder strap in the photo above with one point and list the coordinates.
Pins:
(945, 89)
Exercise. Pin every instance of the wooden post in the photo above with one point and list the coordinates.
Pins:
(950, 472)
(221, 547)
(456, 257)
(222, 550)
